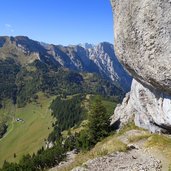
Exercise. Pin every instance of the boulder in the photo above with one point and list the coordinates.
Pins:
(142, 32)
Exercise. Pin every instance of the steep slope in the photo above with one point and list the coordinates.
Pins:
(98, 59)
(24, 50)
(104, 57)
(73, 57)
(27, 67)
(143, 45)
(27, 135)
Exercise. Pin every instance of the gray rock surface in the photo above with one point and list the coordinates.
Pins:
(143, 40)
(143, 45)
(133, 160)
(100, 59)
(150, 109)
(104, 57)
(138, 157)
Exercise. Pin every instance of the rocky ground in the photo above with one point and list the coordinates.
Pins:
(133, 160)
(137, 158)
(70, 158)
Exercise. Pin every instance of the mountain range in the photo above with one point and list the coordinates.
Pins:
(99, 59)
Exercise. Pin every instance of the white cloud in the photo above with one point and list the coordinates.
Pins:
(9, 28)
(8, 25)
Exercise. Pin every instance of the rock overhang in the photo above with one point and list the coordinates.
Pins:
(143, 40)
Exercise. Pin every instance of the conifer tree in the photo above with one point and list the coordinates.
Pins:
(98, 122)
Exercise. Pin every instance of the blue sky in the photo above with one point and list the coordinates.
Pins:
(58, 21)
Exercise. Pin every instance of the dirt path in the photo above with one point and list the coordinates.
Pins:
(157, 154)
(9, 131)
(133, 160)
(152, 151)
(137, 158)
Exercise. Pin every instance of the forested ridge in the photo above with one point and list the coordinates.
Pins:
(22, 83)
(66, 110)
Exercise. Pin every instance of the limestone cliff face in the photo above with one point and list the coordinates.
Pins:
(148, 108)
(143, 45)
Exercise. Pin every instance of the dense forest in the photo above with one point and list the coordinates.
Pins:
(42, 160)
(98, 128)
(8, 74)
(21, 83)
(68, 113)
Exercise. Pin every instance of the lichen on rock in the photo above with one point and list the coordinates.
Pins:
(143, 45)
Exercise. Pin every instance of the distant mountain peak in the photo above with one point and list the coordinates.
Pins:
(84, 57)
(87, 45)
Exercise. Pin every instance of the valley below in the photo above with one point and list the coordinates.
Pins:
(56, 107)
(32, 127)
(29, 134)
(47, 96)
(129, 149)
(86, 107)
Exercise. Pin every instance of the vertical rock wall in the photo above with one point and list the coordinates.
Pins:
(143, 45)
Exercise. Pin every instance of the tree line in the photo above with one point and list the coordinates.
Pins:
(97, 129)
(21, 83)
(42, 160)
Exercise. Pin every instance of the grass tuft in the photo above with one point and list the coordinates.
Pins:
(128, 127)
(139, 137)
(108, 145)
(162, 142)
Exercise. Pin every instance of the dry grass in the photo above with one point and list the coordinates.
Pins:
(128, 127)
(107, 146)
(112, 144)
(139, 137)
(170, 167)
(162, 142)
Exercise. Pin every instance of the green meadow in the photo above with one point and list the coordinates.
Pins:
(29, 134)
